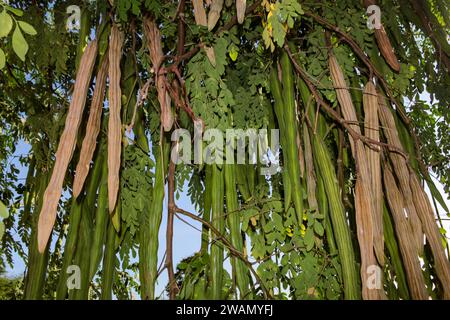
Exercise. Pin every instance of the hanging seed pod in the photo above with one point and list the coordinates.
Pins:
(148, 235)
(291, 150)
(109, 264)
(211, 55)
(364, 209)
(115, 123)
(101, 223)
(241, 180)
(201, 20)
(214, 13)
(386, 49)
(395, 259)
(199, 13)
(240, 270)
(156, 56)
(217, 252)
(337, 213)
(406, 241)
(66, 146)
(310, 174)
(384, 44)
(371, 130)
(92, 129)
(207, 207)
(401, 170)
(432, 233)
(241, 5)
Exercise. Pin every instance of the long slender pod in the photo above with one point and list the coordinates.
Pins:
(241, 271)
(148, 235)
(216, 265)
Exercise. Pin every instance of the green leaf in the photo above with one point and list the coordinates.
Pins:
(278, 31)
(3, 211)
(6, 24)
(318, 228)
(19, 44)
(309, 239)
(17, 12)
(27, 28)
(2, 59)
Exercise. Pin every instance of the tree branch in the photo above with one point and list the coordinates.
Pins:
(335, 115)
(171, 209)
(231, 248)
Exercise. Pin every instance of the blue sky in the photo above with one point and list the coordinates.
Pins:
(187, 240)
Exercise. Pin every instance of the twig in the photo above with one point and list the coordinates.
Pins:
(335, 115)
(230, 247)
(181, 28)
(171, 209)
(143, 93)
(373, 70)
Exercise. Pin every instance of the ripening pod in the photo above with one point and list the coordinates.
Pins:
(166, 112)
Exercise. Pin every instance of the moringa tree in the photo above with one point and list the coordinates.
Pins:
(356, 91)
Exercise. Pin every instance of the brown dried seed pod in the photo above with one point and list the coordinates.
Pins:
(432, 233)
(156, 55)
(241, 5)
(386, 49)
(199, 13)
(371, 130)
(201, 20)
(384, 44)
(211, 55)
(364, 209)
(92, 129)
(66, 146)
(401, 170)
(214, 13)
(115, 123)
(405, 236)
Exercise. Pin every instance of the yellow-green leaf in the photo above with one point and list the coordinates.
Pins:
(2, 229)
(6, 24)
(233, 53)
(2, 59)
(27, 28)
(3, 211)
(19, 44)
(17, 12)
